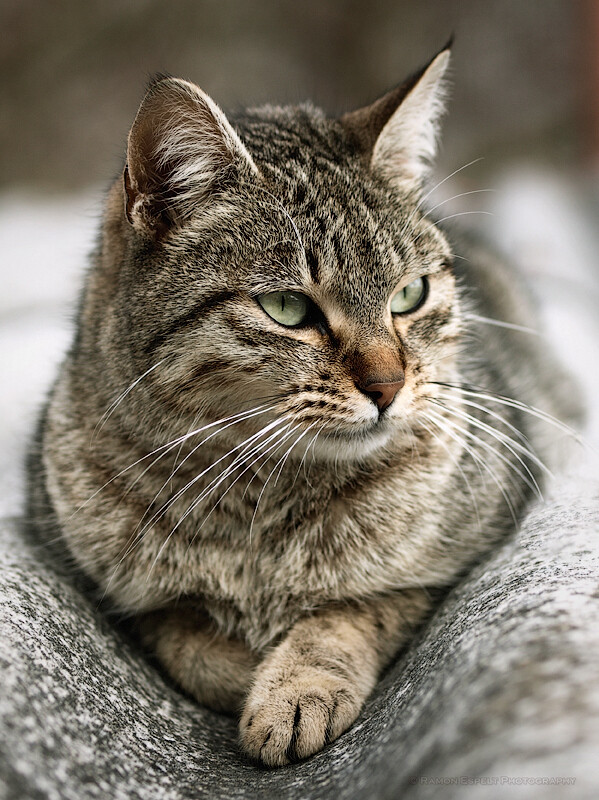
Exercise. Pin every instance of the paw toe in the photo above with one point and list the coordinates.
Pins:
(291, 722)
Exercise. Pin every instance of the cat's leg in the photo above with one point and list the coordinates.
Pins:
(215, 669)
(311, 687)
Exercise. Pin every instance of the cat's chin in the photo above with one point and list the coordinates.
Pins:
(352, 446)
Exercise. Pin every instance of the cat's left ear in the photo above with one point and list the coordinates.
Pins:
(397, 135)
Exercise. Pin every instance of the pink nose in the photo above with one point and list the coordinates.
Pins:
(383, 394)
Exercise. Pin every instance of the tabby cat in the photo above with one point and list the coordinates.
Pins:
(293, 411)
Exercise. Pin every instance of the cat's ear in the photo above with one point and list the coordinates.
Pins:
(397, 134)
(181, 148)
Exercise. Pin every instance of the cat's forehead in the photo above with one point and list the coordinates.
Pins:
(355, 240)
(316, 219)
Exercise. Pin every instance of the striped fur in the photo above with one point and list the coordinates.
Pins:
(225, 480)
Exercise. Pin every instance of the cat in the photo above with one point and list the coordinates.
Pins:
(296, 408)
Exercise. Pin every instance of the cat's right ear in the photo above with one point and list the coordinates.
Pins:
(180, 150)
(397, 135)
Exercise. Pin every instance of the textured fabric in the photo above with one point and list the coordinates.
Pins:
(500, 686)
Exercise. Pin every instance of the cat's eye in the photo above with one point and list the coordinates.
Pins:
(410, 297)
(286, 308)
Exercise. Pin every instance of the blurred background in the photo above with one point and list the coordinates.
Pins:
(73, 73)
(524, 108)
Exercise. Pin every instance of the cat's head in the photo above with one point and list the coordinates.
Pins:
(281, 263)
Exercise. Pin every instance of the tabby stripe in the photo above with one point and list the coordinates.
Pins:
(190, 318)
(208, 368)
(436, 318)
(338, 248)
(440, 317)
(204, 370)
(313, 266)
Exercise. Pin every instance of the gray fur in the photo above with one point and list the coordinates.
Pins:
(319, 553)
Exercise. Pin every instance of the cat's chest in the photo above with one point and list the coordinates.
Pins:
(330, 546)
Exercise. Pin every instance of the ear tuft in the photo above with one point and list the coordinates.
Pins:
(181, 148)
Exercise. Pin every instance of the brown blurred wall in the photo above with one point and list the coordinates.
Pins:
(72, 72)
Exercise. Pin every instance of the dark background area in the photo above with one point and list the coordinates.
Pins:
(73, 72)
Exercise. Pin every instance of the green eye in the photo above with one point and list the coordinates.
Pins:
(410, 297)
(286, 308)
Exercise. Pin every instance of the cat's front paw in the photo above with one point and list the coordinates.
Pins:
(293, 714)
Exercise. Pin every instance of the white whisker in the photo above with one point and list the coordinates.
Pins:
(281, 461)
(262, 453)
(246, 460)
(501, 324)
(193, 451)
(506, 440)
(462, 214)
(169, 446)
(440, 183)
(532, 483)
(138, 535)
(465, 401)
(113, 406)
(455, 461)
(485, 394)
(304, 457)
(239, 459)
(425, 197)
(456, 196)
(450, 429)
